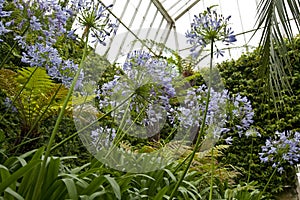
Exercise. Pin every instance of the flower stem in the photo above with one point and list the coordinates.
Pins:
(37, 191)
(274, 171)
(91, 124)
(192, 155)
(250, 162)
(262, 192)
(207, 103)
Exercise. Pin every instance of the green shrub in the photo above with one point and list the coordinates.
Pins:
(243, 76)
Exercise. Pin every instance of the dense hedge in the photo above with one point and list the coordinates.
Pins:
(243, 76)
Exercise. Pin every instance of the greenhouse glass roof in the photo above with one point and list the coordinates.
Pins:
(167, 21)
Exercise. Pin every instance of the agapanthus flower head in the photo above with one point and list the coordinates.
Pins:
(47, 20)
(102, 137)
(3, 13)
(209, 27)
(225, 113)
(149, 82)
(4, 27)
(142, 64)
(95, 18)
(284, 148)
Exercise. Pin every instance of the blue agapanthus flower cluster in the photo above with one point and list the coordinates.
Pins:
(42, 23)
(283, 148)
(102, 137)
(225, 113)
(40, 54)
(148, 81)
(209, 27)
(152, 69)
(4, 26)
(46, 18)
(95, 16)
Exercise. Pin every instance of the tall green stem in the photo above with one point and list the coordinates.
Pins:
(201, 129)
(207, 102)
(274, 171)
(250, 161)
(37, 191)
(262, 192)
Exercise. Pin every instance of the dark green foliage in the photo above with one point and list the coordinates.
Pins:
(73, 147)
(243, 76)
(94, 181)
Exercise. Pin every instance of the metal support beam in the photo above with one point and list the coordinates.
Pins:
(163, 11)
(186, 10)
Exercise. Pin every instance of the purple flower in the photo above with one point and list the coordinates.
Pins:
(284, 148)
(3, 29)
(149, 81)
(230, 39)
(225, 114)
(229, 140)
(21, 41)
(102, 137)
(2, 12)
(219, 53)
(35, 24)
(207, 27)
(96, 17)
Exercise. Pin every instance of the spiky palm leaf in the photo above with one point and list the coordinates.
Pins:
(273, 18)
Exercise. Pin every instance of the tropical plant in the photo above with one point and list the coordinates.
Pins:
(275, 20)
(35, 97)
(243, 76)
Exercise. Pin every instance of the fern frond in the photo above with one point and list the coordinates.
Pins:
(7, 82)
(38, 95)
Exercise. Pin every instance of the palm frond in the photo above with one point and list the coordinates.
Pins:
(273, 18)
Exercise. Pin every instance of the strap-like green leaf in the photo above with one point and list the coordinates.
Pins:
(94, 185)
(71, 187)
(114, 185)
(14, 194)
(18, 174)
(161, 193)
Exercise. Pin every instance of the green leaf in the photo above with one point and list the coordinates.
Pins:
(51, 173)
(18, 174)
(171, 175)
(94, 185)
(97, 194)
(114, 185)
(4, 173)
(71, 187)
(14, 194)
(80, 182)
(161, 193)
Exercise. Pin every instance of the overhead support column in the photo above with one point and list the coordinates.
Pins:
(163, 11)
(186, 10)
